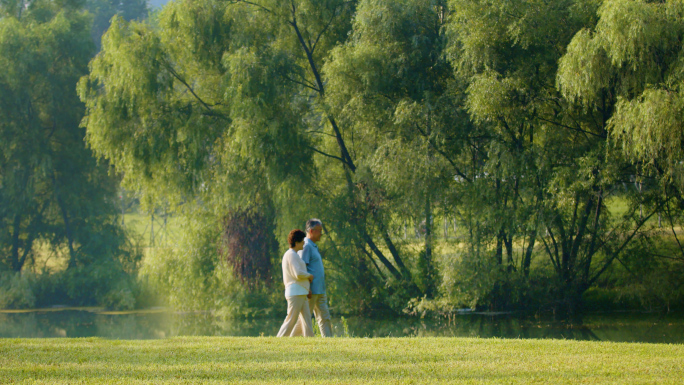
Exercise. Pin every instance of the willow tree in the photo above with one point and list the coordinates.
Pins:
(52, 189)
(44, 162)
(545, 170)
(628, 67)
(634, 51)
(392, 86)
(226, 100)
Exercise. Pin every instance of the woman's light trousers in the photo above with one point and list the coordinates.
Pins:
(297, 309)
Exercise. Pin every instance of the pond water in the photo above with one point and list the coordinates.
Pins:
(619, 327)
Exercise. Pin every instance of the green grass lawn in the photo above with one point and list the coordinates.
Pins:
(338, 361)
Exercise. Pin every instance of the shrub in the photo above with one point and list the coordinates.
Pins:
(15, 291)
(248, 244)
(192, 275)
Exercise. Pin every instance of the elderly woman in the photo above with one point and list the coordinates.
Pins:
(297, 282)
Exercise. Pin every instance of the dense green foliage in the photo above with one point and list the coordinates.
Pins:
(55, 198)
(549, 170)
(544, 135)
(375, 115)
(192, 275)
(338, 360)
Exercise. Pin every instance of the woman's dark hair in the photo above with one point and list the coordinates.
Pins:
(295, 236)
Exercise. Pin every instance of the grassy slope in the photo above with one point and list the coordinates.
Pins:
(338, 360)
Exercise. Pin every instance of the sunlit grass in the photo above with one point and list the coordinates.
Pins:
(47, 258)
(617, 206)
(337, 361)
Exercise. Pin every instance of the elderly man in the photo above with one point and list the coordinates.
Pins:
(318, 302)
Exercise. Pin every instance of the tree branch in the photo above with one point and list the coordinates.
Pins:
(624, 244)
(328, 155)
(669, 217)
(571, 128)
(368, 254)
(320, 132)
(381, 256)
(548, 251)
(254, 4)
(321, 90)
(313, 47)
(666, 257)
(392, 249)
(204, 104)
(301, 83)
(555, 247)
(442, 153)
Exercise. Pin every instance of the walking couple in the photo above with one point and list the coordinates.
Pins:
(304, 280)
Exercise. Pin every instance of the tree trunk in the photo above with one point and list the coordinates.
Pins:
(508, 242)
(499, 248)
(429, 276)
(69, 234)
(14, 261)
(152, 229)
(428, 273)
(393, 250)
(27, 249)
(381, 256)
(527, 260)
(67, 224)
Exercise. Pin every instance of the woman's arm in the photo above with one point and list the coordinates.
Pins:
(298, 270)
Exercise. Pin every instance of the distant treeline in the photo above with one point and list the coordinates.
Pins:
(532, 149)
(60, 242)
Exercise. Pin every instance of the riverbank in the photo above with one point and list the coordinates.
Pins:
(337, 360)
(164, 323)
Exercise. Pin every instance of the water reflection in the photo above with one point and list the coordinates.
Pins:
(623, 327)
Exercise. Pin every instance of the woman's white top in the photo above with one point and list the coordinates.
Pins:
(295, 277)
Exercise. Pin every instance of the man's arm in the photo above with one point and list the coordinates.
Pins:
(305, 255)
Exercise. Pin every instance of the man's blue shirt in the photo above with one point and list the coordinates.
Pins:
(314, 265)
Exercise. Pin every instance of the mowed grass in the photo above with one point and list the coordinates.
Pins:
(338, 361)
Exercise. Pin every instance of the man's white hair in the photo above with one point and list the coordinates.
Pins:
(312, 223)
